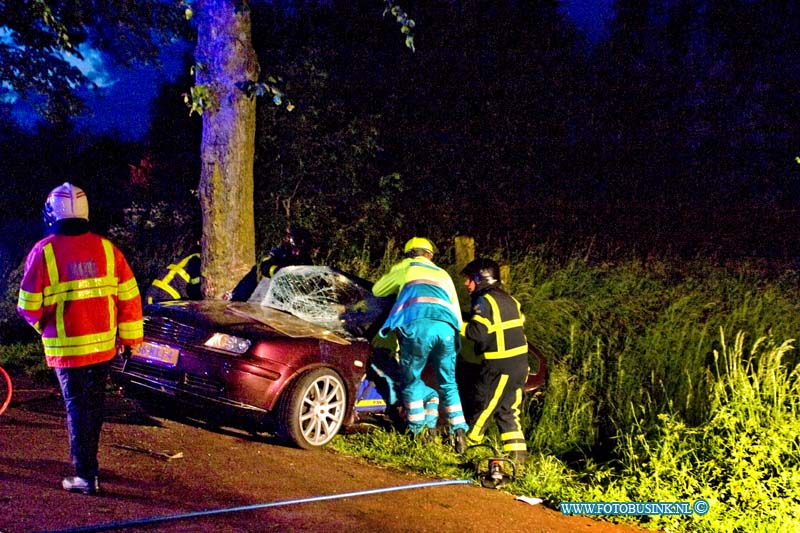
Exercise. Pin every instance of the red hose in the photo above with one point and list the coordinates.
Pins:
(7, 400)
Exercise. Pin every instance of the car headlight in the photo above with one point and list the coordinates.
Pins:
(229, 343)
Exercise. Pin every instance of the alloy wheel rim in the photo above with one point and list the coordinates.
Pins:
(323, 410)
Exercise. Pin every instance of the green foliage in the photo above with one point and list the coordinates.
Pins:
(30, 60)
(188, 12)
(628, 341)
(406, 24)
(43, 35)
(319, 168)
(269, 86)
(12, 326)
(41, 10)
(25, 359)
(200, 98)
(398, 450)
(743, 458)
(153, 235)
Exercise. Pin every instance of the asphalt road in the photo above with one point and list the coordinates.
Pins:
(163, 475)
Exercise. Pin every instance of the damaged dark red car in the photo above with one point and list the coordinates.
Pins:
(294, 359)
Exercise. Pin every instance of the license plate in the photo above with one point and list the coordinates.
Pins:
(158, 353)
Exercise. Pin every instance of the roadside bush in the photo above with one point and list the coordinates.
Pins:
(154, 234)
(743, 459)
(25, 358)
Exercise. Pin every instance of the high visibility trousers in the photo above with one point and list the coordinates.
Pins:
(498, 396)
(423, 341)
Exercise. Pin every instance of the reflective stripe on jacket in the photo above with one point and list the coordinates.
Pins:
(496, 325)
(80, 294)
(423, 291)
(181, 282)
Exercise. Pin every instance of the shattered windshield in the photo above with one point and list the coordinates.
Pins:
(323, 296)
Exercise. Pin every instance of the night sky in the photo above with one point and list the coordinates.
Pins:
(120, 104)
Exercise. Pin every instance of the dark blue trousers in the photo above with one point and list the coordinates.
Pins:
(83, 389)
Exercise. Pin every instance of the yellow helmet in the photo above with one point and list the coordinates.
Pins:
(418, 243)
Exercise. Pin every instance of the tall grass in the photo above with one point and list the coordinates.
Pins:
(632, 340)
(646, 399)
(743, 458)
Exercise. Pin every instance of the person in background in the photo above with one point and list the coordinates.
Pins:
(181, 281)
(426, 319)
(295, 250)
(384, 370)
(80, 295)
(468, 373)
(496, 328)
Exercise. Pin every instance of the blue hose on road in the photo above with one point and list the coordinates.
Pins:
(158, 519)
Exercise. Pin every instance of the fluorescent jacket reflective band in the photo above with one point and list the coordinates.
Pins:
(79, 292)
(423, 291)
(181, 281)
(496, 325)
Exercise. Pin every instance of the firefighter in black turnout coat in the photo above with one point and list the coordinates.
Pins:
(495, 326)
(181, 281)
(295, 250)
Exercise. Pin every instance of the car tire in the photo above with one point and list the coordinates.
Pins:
(312, 409)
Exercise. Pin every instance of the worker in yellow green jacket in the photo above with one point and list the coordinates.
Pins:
(426, 319)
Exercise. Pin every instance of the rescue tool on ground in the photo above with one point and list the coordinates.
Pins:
(495, 471)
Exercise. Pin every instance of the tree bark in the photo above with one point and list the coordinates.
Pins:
(225, 57)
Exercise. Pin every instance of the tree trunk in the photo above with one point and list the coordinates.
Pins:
(225, 57)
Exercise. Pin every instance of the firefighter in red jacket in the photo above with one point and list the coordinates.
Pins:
(81, 296)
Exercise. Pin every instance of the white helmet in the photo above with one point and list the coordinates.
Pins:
(66, 201)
